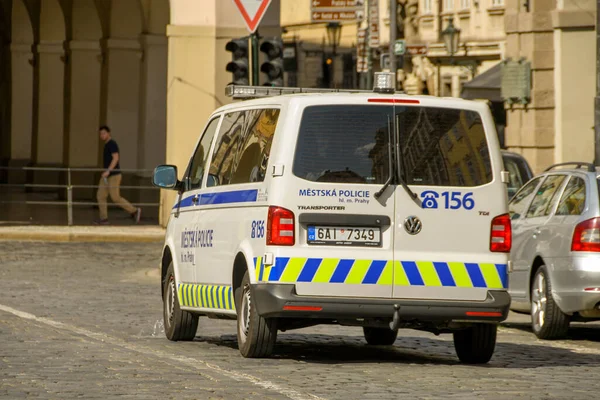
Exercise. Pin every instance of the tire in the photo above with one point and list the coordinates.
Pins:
(380, 336)
(256, 335)
(476, 344)
(547, 319)
(180, 325)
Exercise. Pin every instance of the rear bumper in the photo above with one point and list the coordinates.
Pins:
(272, 299)
(570, 277)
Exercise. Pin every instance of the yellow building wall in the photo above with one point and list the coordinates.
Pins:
(574, 75)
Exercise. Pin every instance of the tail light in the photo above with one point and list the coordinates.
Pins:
(280, 227)
(586, 236)
(501, 234)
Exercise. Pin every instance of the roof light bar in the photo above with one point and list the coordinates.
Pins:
(384, 82)
(252, 92)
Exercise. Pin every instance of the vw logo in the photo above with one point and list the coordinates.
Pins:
(412, 225)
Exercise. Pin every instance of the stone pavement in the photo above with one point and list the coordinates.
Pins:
(87, 323)
(132, 233)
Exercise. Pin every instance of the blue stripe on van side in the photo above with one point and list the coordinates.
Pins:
(236, 196)
(309, 270)
(412, 273)
(444, 274)
(374, 272)
(187, 202)
(278, 268)
(503, 272)
(342, 271)
(475, 275)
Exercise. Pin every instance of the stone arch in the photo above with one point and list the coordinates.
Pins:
(22, 104)
(85, 21)
(126, 19)
(156, 16)
(84, 85)
(153, 104)
(52, 21)
(21, 27)
(123, 84)
(48, 144)
(5, 79)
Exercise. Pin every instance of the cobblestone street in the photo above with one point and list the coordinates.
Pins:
(84, 320)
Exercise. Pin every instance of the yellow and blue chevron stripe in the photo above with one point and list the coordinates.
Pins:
(206, 296)
(382, 272)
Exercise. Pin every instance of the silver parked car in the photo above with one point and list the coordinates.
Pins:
(555, 256)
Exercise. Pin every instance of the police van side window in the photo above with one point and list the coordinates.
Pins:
(198, 162)
(228, 141)
(250, 162)
(242, 150)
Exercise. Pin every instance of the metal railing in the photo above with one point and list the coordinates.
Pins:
(69, 187)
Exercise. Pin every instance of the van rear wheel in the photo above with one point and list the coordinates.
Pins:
(380, 336)
(256, 335)
(179, 324)
(476, 344)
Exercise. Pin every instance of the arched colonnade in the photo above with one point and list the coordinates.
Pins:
(67, 66)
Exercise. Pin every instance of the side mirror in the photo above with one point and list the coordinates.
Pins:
(165, 177)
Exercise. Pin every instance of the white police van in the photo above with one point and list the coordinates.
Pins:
(369, 209)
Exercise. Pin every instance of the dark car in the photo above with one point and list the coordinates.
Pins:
(519, 171)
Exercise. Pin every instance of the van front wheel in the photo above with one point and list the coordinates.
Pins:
(476, 344)
(179, 324)
(256, 335)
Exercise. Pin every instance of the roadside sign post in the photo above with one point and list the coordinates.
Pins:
(252, 12)
(336, 10)
(399, 47)
(393, 33)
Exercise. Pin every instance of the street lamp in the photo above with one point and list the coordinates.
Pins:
(334, 33)
(451, 36)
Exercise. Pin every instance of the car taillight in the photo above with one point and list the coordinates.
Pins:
(586, 236)
(501, 234)
(280, 227)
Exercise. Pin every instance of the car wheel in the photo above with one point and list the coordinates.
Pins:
(547, 320)
(256, 335)
(179, 324)
(380, 336)
(476, 344)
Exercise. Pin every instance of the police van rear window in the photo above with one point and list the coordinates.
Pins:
(349, 144)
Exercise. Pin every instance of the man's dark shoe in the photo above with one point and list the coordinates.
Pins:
(137, 215)
(101, 222)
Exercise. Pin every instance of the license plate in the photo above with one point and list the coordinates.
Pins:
(344, 236)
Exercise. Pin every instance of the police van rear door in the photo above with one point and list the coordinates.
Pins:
(345, 236)
(442, 241)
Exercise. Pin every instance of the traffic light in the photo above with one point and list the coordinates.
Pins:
(273, 66)
(238, 65)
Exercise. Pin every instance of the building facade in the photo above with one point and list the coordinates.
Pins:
(558, 39)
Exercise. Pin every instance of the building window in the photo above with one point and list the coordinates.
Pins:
(497, 3)
(427, 6)
(449, 5)
(465, 4)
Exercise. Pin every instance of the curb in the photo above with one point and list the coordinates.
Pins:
(82, 235)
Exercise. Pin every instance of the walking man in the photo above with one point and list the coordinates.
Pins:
(111, 180)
